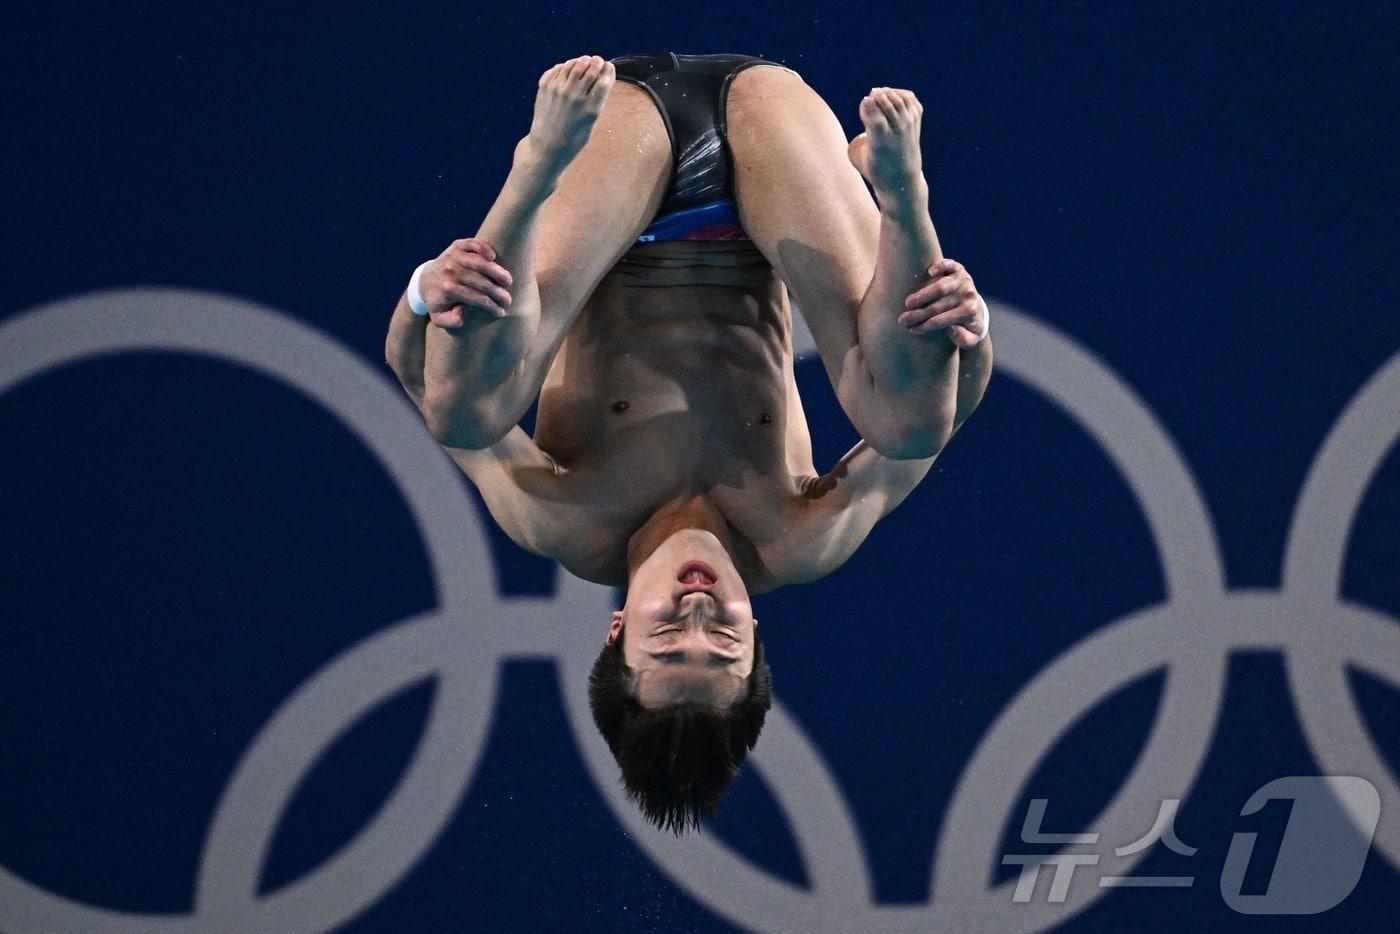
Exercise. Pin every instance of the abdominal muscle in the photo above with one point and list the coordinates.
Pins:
(674, 381)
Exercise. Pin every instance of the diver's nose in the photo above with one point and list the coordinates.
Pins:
(698, 600)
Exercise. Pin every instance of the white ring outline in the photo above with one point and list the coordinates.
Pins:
(1318, 537)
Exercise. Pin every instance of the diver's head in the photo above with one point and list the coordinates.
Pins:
(680, 688)
(690, 622)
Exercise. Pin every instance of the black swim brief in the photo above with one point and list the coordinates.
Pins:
(691, 91)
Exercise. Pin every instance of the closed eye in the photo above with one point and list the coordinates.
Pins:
(677, 657)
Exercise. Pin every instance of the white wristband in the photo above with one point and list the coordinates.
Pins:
(987, 328)
(415, 297)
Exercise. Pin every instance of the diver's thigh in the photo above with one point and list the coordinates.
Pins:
(800, 199)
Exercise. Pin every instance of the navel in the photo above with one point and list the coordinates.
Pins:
(620, 405)
(764, 418)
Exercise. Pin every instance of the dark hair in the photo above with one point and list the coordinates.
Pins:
(677, 761)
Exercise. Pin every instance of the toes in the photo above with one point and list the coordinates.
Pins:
(898, 106)
(578, 67)
(909, 106)
(871, 114)
(592, 71)
(559, 73)
(606, 76)
(897, 103)
(578, 76)
(886, 104)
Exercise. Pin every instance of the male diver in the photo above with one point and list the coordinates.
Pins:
(634, 275)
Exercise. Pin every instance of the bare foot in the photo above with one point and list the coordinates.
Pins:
(570, 98)
(887, 154)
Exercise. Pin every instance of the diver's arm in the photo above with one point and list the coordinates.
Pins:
(403, 349)
(974, 371)
(927, 368)
(949, 304)
(471, 356)
(515, 477)
(836, 511)
(463, 283)
(518, 482)
(467, 294)
(482, 376)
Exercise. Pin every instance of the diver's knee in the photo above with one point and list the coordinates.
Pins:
(456, 423)
(914, 438)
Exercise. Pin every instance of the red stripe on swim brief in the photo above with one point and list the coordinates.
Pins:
(726, 231)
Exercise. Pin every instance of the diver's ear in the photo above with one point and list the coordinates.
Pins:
(614, 628)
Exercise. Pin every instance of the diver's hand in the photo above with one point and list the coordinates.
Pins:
(464, 278)
(948, 302)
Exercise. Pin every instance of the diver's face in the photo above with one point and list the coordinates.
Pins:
(689, 632)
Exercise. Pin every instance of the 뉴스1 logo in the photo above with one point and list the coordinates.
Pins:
(1318, 863)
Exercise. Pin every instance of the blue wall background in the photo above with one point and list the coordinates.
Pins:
(1203, 196)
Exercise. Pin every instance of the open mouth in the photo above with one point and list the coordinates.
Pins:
(698, 574)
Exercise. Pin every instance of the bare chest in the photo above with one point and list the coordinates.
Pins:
(667, 390)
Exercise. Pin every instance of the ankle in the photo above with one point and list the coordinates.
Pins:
(539, 168)
(904, 200)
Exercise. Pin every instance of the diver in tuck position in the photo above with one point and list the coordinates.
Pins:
(633, 273)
